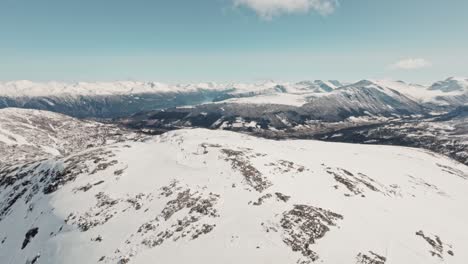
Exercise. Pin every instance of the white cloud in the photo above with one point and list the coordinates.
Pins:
(411, 64)
(267, 9)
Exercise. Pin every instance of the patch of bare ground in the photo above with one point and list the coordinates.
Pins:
(284, 166)
(186, 215)
(370, 258)
(303, 226)
(453, 171)
(240, 162)
(421, 183)
(105, 209)
(358, 183)
(438, 248)
(279, 197)
(24, 182)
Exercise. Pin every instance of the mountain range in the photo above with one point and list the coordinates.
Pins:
(119, 99)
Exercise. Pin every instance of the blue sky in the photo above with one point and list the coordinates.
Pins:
(233, 40)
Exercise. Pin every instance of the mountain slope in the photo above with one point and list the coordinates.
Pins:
(204, 196)
(361, 98)
(33, 135)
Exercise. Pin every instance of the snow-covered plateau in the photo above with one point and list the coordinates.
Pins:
(214, 196)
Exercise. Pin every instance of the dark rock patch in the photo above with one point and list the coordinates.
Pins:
(29, 235)
(437, 246)
(453, 171)
(33, 260)
(357, 183)
(303, 226)
(282, 197)
(252, 176)
(370, 258)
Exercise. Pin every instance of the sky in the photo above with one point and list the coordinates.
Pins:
(233, 40)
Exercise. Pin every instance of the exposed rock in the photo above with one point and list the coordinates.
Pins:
(29, 235)
(437, 246)
(253, 177)
(303, 226)
(370, 258)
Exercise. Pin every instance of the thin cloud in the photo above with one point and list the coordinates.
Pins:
(268, 9)
(411, 64)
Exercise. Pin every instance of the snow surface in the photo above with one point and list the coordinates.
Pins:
(202, 196)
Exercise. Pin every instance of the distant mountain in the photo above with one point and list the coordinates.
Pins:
(205, 196)
(362, 98)
(62, 89)
(452, 92)
(318, 86)
(452, 84)
(367, 112)
(103, 100)
(330, 98)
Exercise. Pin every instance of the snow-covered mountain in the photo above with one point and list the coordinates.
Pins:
(26, 88)
(449, 93)
(34, 135)
(104, 99)
(118, 99)
(298, 94)
(364, 98)
(204, 196)
(291, 94)
(453, 84)
(317, 86)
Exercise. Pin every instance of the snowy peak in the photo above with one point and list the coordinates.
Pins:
(319, 85)
(373, 88)
(363, 83)
(452, 84)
